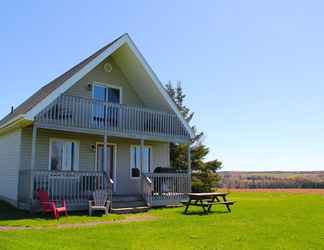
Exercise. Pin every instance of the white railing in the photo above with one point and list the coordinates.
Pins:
(76, 188)
(83, 113)
(168, 188)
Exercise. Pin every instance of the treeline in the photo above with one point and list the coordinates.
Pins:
(236, 180)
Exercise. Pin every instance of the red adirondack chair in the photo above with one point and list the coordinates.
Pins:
(50, 206)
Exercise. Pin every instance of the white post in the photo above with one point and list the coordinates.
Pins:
(105, 155)
(142, 163)
(189, 159)
(189, 166)
(32, 164)
(142, 155)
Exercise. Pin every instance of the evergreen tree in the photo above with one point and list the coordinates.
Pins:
(204, 176)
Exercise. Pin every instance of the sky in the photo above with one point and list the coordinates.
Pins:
(252, 70)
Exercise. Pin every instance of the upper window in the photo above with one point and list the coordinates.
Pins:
(106, 93)
(64, 155)
(135, 165)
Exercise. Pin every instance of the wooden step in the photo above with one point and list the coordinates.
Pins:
(125, 198)
(127, 210)
(122, 204)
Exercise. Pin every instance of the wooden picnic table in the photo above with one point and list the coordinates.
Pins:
(207, 200)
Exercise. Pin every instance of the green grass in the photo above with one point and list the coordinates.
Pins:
(10, 216)
(258, 221)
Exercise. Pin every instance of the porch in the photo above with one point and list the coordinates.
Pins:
(76, 187)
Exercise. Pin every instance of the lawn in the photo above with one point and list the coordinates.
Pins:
(258, 221)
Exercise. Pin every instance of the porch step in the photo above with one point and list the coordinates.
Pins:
(127, 210)
(122, 204)
(126, 198)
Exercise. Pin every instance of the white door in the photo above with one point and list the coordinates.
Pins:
(110, 168)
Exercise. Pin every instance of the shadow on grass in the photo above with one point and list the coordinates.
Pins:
(201, 213)
(8, 212)
(193, 211)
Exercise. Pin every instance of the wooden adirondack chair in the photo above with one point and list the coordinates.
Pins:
(50, 206)
(100, 202)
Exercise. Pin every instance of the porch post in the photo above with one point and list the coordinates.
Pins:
(189, 165)
(142, 155)
(142, 163)
(32, 164)
(189, 158)
(105, 154)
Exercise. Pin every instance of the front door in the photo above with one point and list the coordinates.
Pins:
(110, 168)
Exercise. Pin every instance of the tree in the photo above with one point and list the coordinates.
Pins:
(204, 176)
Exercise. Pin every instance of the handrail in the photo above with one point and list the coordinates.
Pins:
(148, 179)
(147, 190)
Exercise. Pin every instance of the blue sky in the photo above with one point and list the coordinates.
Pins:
(252, 70)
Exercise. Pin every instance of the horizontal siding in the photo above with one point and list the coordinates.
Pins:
(125, 185)
(115, 78)
(9, 164)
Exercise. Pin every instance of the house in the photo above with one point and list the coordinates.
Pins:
(104, 124)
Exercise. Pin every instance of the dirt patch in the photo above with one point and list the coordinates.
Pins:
(279, 190)
(96, 223)
(128, 219)
(13, 228)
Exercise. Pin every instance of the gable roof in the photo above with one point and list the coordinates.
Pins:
(39, 100)
(43, 92)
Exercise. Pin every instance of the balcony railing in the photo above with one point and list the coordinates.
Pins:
(83, 113)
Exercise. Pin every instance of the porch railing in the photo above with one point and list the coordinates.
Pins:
(83, 113)
(76, 188)
(167, 188)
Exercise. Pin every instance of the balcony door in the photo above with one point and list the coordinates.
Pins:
(110, 168)
(102, 93)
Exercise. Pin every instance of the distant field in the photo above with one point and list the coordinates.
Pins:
(278, 190)
(272, 179)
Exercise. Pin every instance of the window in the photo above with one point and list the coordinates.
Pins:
(64, 155)
(107, 94)
(135, 165)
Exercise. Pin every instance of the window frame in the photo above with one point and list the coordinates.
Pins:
(76, 156)
(131, 158)
(106, 86)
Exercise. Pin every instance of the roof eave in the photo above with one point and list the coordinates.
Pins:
(19, 121)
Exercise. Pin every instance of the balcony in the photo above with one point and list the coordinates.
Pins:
(88, 115)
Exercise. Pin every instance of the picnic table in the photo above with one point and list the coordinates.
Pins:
(207, 200)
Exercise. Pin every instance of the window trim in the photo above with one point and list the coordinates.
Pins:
(108, 85)
(130, 159)
(76, 159)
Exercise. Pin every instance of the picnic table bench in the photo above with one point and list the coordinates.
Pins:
(207, 200)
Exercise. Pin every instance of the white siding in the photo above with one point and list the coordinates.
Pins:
(9, 165)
